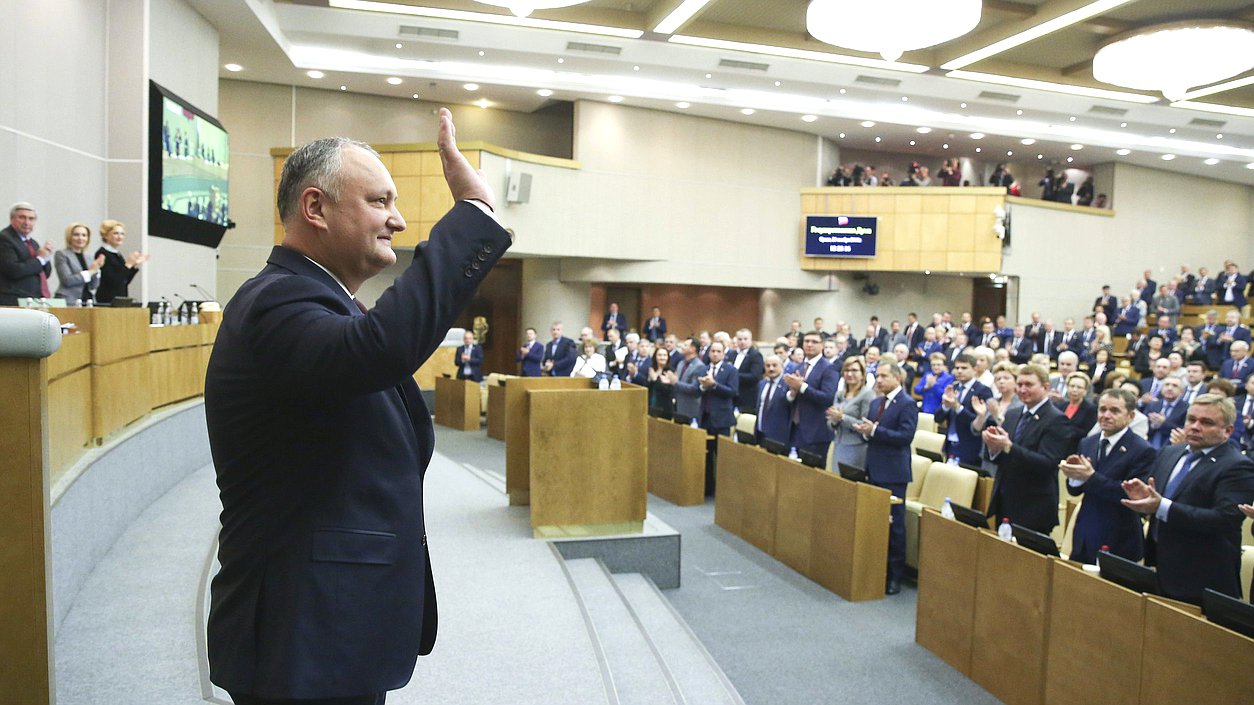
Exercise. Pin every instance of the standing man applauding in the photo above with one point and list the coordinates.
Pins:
(24, 263)
(811, 389)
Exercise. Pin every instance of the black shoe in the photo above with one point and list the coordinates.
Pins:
(894, 587)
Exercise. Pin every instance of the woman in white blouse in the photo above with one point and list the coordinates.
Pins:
(591, 363)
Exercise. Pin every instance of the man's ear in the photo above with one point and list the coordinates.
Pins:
(312, 203)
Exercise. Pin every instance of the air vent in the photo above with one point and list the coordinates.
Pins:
(1203, 122)
(412, 32)
(1003, 97)
(877, 81)
(743, 65)
(594, 48)
(1107, 110)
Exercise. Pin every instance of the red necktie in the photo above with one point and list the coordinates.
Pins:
(880, 414)
(43, 277)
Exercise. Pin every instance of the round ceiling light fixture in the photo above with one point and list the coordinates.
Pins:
(1175, 57)
(890, 27)
(522, 8)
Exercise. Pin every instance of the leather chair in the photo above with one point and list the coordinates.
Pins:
(942, 480)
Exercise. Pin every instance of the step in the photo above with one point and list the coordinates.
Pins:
(700, 680)
(634, 666)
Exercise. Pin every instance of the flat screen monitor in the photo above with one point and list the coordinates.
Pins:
(969, 516)
(660, 412)
(1228, 612)
(813, 460)
(772, 446)
(682, 420)
(853, 473)
(930, 455)
(747, 438)
(189, 161)
(1129, 574)
(1034, 540)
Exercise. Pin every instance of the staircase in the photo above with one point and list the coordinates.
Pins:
(649, 655)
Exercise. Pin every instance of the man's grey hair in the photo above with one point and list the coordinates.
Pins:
(893, 369)
(1068, 355)
(633, 338)
(20, 206)
(317, 164)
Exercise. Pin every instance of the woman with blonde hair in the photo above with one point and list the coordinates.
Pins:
(118, 269)
(77, 278)
(850, 409)
(591, 363)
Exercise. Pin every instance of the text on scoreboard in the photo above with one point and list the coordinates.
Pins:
(840, 236)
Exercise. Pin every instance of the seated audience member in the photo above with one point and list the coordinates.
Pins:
(1148, 355)
(719, 386)
(1099, 368)
(1020, 347)
(658, 380)
(614, 319)
(1151, 386)
(1238, 367)
(1103, 462)
(559, 353)
(774, 413)
(118, 270)
(748, 363)
(686, 380)
(932, 385)
(1068, 364)
(1127, 318)
(1194, 381)
(77, 278)
(635, 363)
(590, 363)
(655, 327)
(902, 354)
(1076, 406)
(1166, 414)
(1202, 293)
(1192, 501)
(1230, 288)
(469, 357)
(957, 410)
(530, 355)
(1188, 346)
(1027, 448)
(811, 390)
(851, 406)
(1166, 331)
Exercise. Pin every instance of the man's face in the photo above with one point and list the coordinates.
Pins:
(987, 327)
(1068, 325)
(812, 345)
(1202, 272)
(772, 367)
(361, 223)
(1238, 352)
(531, 335)
(1029, 389)
(1164, 322)
(1112, 414)
(23, 222)
(585, 333)
(1232, 318)
(468, 339)
(818, 324)
(1204, 426)
(829, 348)
(966, 318)
(1161, 367)
(657, 312)
(613, 335)
(690, 349)
(744, 340)
(929, 335)
(895, 326)
(870, 331)
(632, 344)
(670, 343)
(1172, 388)
(901, 353)
(1088, 324)
(872, 355)
(704, 338)
(963, 372)
(1036, 318)
(716, 353)
(794, 326)
(556, 331)
(1018, 331)
(842, 344)
(1067, 366)
(1195, 374)
(613, 308)
(885, 380)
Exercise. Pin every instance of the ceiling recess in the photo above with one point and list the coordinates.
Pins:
(877, 81)
(594, 48)
(743, 65)
(412, 32)
(1004, 97)
(1107, 110)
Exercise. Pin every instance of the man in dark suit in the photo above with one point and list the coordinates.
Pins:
(958, 411)
(1238, 367)
(559, 353)
(1202, 291)
(1126, 319)
(988, 336)
(970, 327)
(1208, 333)
(1027, 449)
(749, 365)
(1107, 302)
(320, 438)
(1230, 289)
(1020, 347)
(889, 430)
(876, 337)
(913, 332)
(1167, 413)
(1147, 291)
(1233, 330)
(24, 263)
(655, 328)
(1070, 338)
(1050, 340)
(719, 386)
(1104, 462)
(531, 355)
(1034, 332)
(1166, 331)
(1191, 499)
(614, 319)
(774, 412)
(469, 357)
(811, 390)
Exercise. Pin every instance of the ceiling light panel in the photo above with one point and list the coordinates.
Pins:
(1034, 32)
(441, 13)
(681, 14)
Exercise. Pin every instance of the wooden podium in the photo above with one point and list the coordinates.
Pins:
(1190, 660)
(676, 462)
(496, 411)
(850, 537)
(945, 615)
(1090, 616)
(457, 403)
(517, 415)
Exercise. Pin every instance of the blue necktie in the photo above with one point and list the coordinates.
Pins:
(1173, 485)
(1021, 426)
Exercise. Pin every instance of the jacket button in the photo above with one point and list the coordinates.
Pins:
(481, 257)
(487, 247)
(475, 266)
(468, 273)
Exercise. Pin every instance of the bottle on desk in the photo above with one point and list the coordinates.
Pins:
(947, 509)
(1004, 531)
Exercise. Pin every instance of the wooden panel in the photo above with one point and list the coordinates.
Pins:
(1011, 621)
(676, 462)
(518, 430)
(735, 462)
(587, 479)
(436, 198)
(175, 375)
(1090, 616)
(117, 333)
(25, 637)
(912, 203)
(406, 164)
(120, 394)
(496, 412)
(1190, 660)
(794, 511)
(849, 545)
(409, 201)
(760, 483)
(431, 165)
(75, 353)
(440, 363)
(457, 403)
(945, 616)
(983, 494)
(69, 419)
(170, 337)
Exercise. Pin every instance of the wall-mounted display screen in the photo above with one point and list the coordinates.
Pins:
(189, 160)
(840, 236)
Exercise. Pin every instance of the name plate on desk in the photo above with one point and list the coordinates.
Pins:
(840, 236)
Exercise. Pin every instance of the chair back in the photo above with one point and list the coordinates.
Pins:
(945, 480)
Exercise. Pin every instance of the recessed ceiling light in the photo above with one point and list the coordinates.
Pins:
(747, 111)
(415, 95)
(315, 74)
(399, 45)
(395, 81)
(911, 143)
(1028, 142)
(481, 52)
(977, 135)
(945, 146)
(1070, 159)
(809, 118)
(1076, 147)
(1219, 136)
(1172, 131)
(343, 88)
(544, 92)
(923, 130)
(1072, 118)
(1168, 157)
(1018, 112)
(615, 99)
(233, 67)
(1211, 162)
(1123, 124)
(1123, 152)
(877, 139)
(777, 84)
(483, 103)
(683, 105)
(905, 99)
(842, 136)
(561, 60)
(962, 105)
(978, 150)
(709, 75)
(927, 271)
(1040, 156)
(635, 68)
(868, 123)
(1009, 153)
(471, 86)
(842, 91)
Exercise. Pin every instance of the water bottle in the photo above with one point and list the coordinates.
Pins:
(604, 384)
(195, 314)
(616, 384)
(953, 460)
(1004, 531)
(792, 454)
(947, 510)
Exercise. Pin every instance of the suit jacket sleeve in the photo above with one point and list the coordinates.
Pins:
(1107, 487)
(301, 334)
(753, 367)
(1054, 446)
(903, 434)
(1235, 486)
(12, 265)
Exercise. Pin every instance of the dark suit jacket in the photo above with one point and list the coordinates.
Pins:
(532, 360)
(1026, 488)
(913, 338)
(115, 276)
(818, 396)
(969, 443)
(620, 322)
(475, 364)
(1161, 437)
(1147, 294)
(751, 369)
(888, 450)
(1020, 354)
(562, 353)
(1103, 520)
(1109, 304)
(717, 401)
(774, 420)
(1082, 422)
(1238, 291)
(651, 333)
(19, 270)
(1229, 372)
(320, 440)
(1199, 546)
(1131, 319)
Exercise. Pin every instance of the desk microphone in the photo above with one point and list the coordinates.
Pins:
(202, 292)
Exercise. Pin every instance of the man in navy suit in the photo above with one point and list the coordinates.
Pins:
(1147, 291)
(655, 328)
(913, 333)
(773, 410)
(1027, 448)
(1208, 333)
(719, 386)
(889, 430)
(614, 319)
(1202, 290)
(24, 264)
(531, 355)
(1231, 331)
(748, 363)
(970, 327)
(1191, 499)
(1238, 367)
(1127, 318)
(1104, 462)
(957, 408)
(320, 438)
(1166, 331)
(1020, 347)
(1230, 289)
(469, 359)
(559, 353)
(1107, 302)
(811, 390)
(1167, 413)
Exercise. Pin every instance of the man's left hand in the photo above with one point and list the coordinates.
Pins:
(1142, 498)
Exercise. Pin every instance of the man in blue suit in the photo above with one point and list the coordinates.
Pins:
(531, 355)
(1127, 319)
(1167, 413)
(811, 389)
(774, 412)
(559, 353)
(469, 359)
(1020, 347)
(614, 319)
(1238, 367)
(719, 386)
(889, 429)
(320, 438)
(25, 265)
(655, 328)
(748, 363)
(1191, 499)
(958, 408)
(1230, 289)
(1103, 463)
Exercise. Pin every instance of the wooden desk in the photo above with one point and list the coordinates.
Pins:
(496, 412)
(440, 363)
(794, 514)
(121, 382)
(983, 494)
(676, 462)
(457, 403)
(588, 455)
(1095, 635)
(518, 430)
(850, 537)
(747, 507)
(945, 615)
(69, 402)
(1189, 660)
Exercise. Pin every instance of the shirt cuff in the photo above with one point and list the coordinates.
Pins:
(1074, 483)
(87, 274)
(43, 261)
(804, 387)
(1164, 507)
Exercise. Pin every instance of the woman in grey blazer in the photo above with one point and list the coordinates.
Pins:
(78, 278)
(851, 407)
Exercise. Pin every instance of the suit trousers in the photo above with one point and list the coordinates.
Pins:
(896, 531)
(377, 699)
